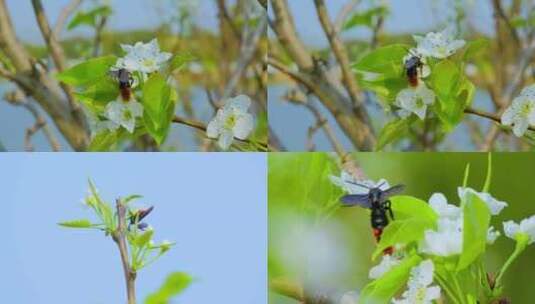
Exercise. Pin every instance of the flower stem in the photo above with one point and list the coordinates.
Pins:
(521, 243)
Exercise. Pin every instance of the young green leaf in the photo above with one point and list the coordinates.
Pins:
(90, 17)
(364, 18)
(387, 61)
(476, 220)
(180, 60)
(175, 284)
(104, 141)
(382, 290)
(158, 105)
(88, 71)
(393, 131)
(98, 94)
(82, 223)
(144, 238)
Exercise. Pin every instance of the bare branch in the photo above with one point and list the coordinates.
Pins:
(57, 55)
(119, 237)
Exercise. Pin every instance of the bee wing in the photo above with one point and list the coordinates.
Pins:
(397, 189)
(356, 200)
(114, 74)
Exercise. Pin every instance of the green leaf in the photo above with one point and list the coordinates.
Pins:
(180, 60)
(387, 61)
(476, 220)
(385, 288)
(97, 95)
(88, 71)
(130, 198)
(158, 106)
(476, 48)
(412, 217)
(405, 207)
(144, 238)
(454, 93)
(83, 223)
(365, 18)
(104, 141)
(90, 17)
(175, 284)
(393, 131)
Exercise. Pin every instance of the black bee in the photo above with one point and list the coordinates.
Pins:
(412, 66)
(125, 82)
(378, 202)
(135, 218)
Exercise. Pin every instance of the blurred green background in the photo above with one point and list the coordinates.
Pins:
(327, 249)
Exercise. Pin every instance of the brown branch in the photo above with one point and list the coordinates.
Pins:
(119, 237)
(57, 55)
(98, 35)
(202, 127)
(17, 98)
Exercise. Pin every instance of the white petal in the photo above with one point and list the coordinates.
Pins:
(213, 128)
(433, 293)
(520, 127)
(240, 103)
(136, 108)
(507, 116)
(243, 126)
(510, 229)
(225, 139)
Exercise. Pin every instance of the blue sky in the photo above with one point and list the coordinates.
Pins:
(213, 205)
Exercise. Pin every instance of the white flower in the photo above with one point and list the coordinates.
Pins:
(231, 121)
(495, 206)
(521, 113)
(96, 125)
(419, 291)
(124, 113)
(415, 100)
(440, 205)
(447, 239)
(526, 228)
(384, 266)
(492, 235)
(439, 45)
(348, 183)
(142, 57)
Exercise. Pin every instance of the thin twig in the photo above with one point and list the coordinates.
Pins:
(343, 14)
(98, 35)
(202, 127)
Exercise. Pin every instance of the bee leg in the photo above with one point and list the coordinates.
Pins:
(388, 207)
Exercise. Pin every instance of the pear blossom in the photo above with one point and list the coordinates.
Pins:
(521, 113)
(348, 183)
(123, 114)
(495, 206)
(492, 235)
(439, 45)
(231, 121)
(414, 100)
(447, 239)
(384, 266)
(419, 290)
(142, 57)
(525, 228)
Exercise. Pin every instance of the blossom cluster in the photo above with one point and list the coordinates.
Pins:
(439, 45)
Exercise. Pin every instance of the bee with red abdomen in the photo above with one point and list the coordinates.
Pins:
(412, 66)
(377, 200)
(125, 82)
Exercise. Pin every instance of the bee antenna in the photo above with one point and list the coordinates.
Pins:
(381, 184)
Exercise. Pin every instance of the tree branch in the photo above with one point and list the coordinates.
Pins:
(202, 127)
(57, 55)
(119, 237)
